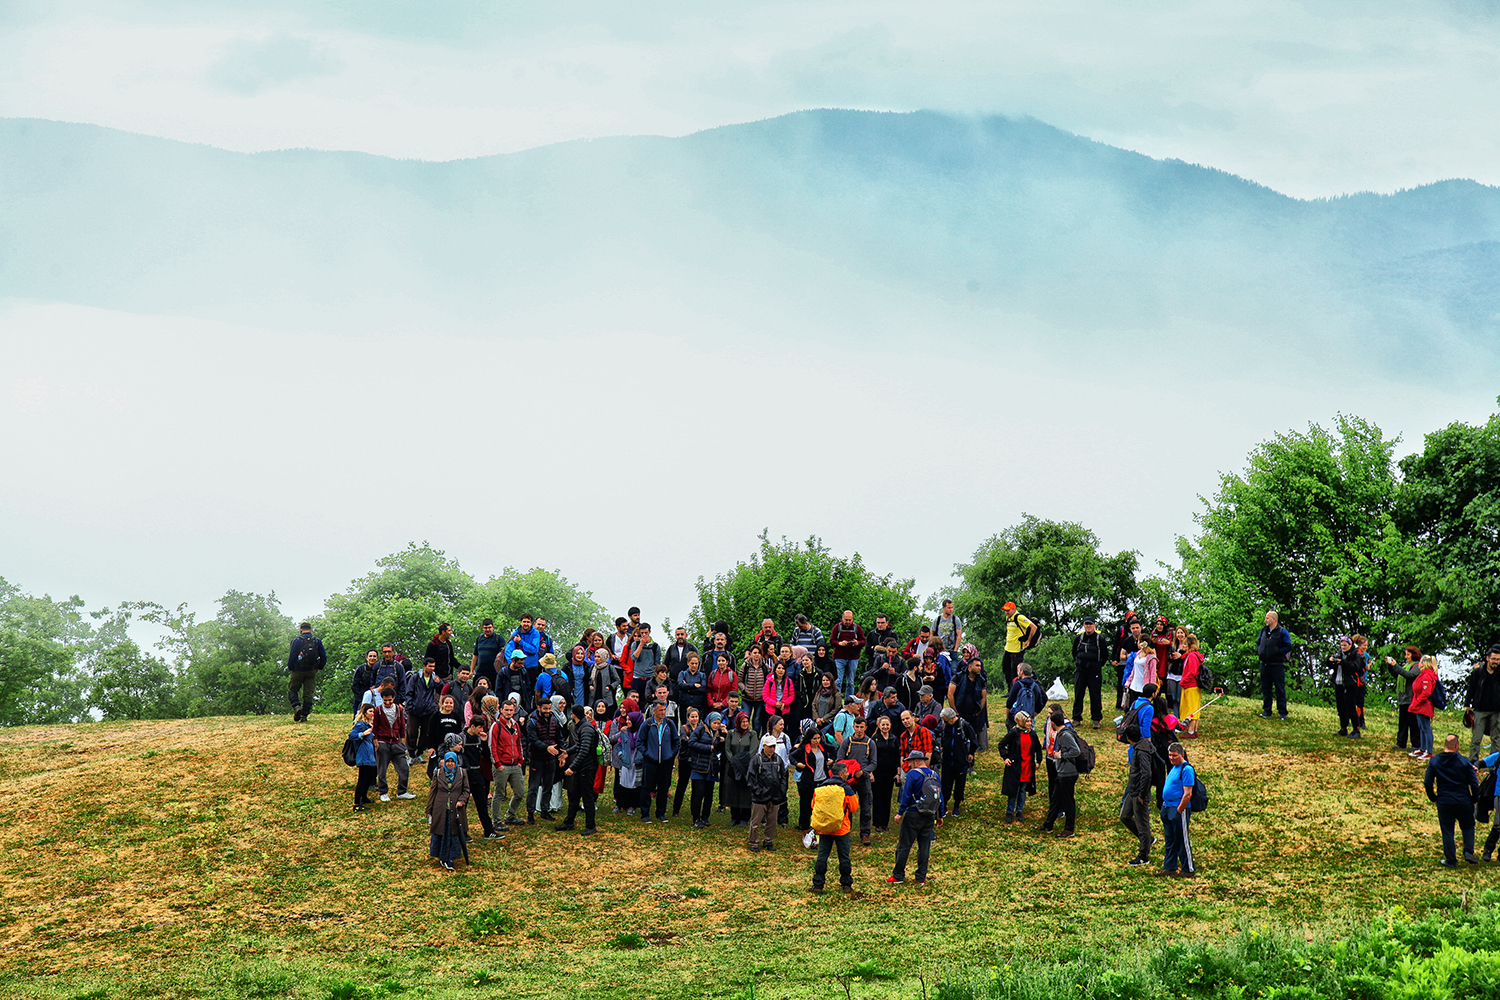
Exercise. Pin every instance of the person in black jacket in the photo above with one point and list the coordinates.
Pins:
(1090, 653)
(582, 760)
(363, 678)
(958, 742)
(767, 779)
(1271, 647)
(1344, 668)
(442, 653)
(303, 662)
(1482, 695)
(545, 735)
(1452, 785)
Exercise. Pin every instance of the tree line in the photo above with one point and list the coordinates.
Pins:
(1325, 526)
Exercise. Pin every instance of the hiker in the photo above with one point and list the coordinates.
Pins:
(659, 746)
(1422, 708)
(442, 651)
(957, 742)
(1020, 635)
(919, 813)
(1272, 646)
(1404, 673)
(422, 692)
(583, 758)
(544, 736)
(703, 745)
(1192, 690)
(1177, 855)
(1482, 698)
(507, 763)
(1127, 641)
(887, 763)
(1492, 762)
(693, 720)
(1022, 752)
(488, 647)
(949, 627)
(834, 803)
(860, 749)
(968, 693)
(812, 767)
(363, 735)
(362, 682)
(1452, 785)
(847, 640)
(740, 747)
(303, 661)
(645, 657)
(1090, 652)
(1026, 694)
(447, 816)
(1066, 752)
(1135, 813)
(626, 756)
(766, 776)
(475, 758)
(914, 736)
(390, 746)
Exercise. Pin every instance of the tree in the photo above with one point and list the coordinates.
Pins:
(41, 641)
(1447, 519)
(1054, 571)
(783, 580)
(233, 663)
(1303, 532)
(129, 684)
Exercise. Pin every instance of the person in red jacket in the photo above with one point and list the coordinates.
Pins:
(1421, 706)
(390, 745)
(508, 755)
(722, 682)
(847, 642)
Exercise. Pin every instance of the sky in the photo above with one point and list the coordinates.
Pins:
(175, 457)
(1312, 99)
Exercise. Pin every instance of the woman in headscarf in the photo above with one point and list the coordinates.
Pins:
(701, 741)
(604, 724)
(825, 700)
(739, 746)
(626, 754)
(447, 813)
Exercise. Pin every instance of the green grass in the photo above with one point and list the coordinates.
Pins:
(219, 858)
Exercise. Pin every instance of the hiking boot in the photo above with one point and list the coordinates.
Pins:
(587, 831)
(768, 847)
(531, 819)
(1356, 735)
(865, 841)
(754, 848)
(563, 826)
(1471, 859)
(1342, 732)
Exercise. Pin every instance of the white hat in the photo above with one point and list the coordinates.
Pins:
(768, 741)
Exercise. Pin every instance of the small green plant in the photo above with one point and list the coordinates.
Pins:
(348, 989)
(488, 922)
(694, 892)
(870, 969)
(627, 941)
(483, 978)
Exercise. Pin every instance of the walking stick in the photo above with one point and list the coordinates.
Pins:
(1204, 705)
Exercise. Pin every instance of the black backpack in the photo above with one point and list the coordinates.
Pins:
(1035, 634)
(1199, 800)
(306, 653)
(1205, 678)
(1128, 729)
(351, 751)
(1085, 759)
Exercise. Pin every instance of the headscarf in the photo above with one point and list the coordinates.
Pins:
(601, 712)
(970, 651)
(558, 701)
(450, 767)
(714, 717)
(798, 652)
(742, 717)
(637, 720)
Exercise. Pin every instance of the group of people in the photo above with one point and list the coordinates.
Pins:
(518, 734)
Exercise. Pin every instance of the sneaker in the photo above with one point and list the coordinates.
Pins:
(1342, 732)
(501, 827)
(358, 808)
(385, 798)
(563, 826)
(1165, 872)
(1010, 817)
(1445, 863)
(1356, 735)
(1064, 834)
(957, 813)
(587, 831)
(448, 866)
(1414, 753)
(1285, 718)
(1265, 715)
(531, 819)
(865, 841)
(645, 819)
(1096, 723)
(815, 889)
(617, 810)
(1425, 756)
(768, 847)
(754, 848)
(1044, 828)
(405, 795)
(895, 880)
(494, 835)
(1471, 859)
(1137, 862)
(921, 881)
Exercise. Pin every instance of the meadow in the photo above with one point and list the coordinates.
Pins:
(219, 858)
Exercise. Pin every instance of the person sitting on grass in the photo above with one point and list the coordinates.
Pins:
(1022, 753)
(447, 816)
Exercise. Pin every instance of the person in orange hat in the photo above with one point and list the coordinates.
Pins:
(1020, 635)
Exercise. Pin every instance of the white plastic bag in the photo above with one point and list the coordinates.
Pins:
(1057, 692)
(811, 840)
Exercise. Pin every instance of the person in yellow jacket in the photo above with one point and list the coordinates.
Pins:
(1020, 634)
(834, 789)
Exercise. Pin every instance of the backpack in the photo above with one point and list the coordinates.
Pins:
(1085, 759)
(1030, 698)
(931, 802)
(1035, 634)
(1199, 800)
(351, 751)
(1128, 726)
(306, 653)
(1205, 678)
(1439, 696)
(828, 809)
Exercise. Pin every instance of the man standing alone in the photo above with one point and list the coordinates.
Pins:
(1089, 654)
(847, 642)
(1271, 648)
(1452, 786)
(303, 662)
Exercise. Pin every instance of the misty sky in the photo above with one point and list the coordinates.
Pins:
(173, 457)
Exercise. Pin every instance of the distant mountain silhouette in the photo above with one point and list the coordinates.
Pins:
(852, 224)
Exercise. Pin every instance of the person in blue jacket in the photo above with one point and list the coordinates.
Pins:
(1271, 647)
(363, 735)
(918, 823)
(1452, 785)
(1176, 811)
(658, 755)
(529, 641)
(1494, 837)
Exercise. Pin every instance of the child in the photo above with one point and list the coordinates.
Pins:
(1021, 751)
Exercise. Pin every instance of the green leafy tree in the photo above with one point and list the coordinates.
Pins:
(233, 663)
(41, 642)
(1446, 545)
(126, 683)
(1056, 574)
(786, 579)
(1302, 531)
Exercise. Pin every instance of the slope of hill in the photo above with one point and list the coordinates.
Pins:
(218, 857)
(845, 226)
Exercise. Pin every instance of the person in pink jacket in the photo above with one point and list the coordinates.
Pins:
(779, 695)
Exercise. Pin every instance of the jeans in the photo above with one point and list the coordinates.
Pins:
(848, 673)
(1064, 803)
(1089, 677)
(509, 777)
(581, 792)
(763, 824)
(539, 790)
(1483, 722)
(1463, 815)
(917, 828)
(1179, 849)
(826, 843)
(656, 779)
(1424, 732)
(1273, 680)
(303, 683)
(1015, 804)
(362, 787)
(1136, 818)
(387, 754)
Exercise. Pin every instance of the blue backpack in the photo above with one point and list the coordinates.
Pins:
(1439, 696)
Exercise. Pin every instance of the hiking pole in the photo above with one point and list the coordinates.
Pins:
(462, 846)
(1206, 704)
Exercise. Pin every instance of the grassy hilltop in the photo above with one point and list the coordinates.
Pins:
(219, 857)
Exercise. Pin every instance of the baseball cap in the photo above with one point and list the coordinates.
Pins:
(516, 654)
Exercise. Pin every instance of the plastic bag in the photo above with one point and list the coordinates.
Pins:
(811, 840)
(1057, 692)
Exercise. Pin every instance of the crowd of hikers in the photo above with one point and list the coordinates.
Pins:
(823, 731)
